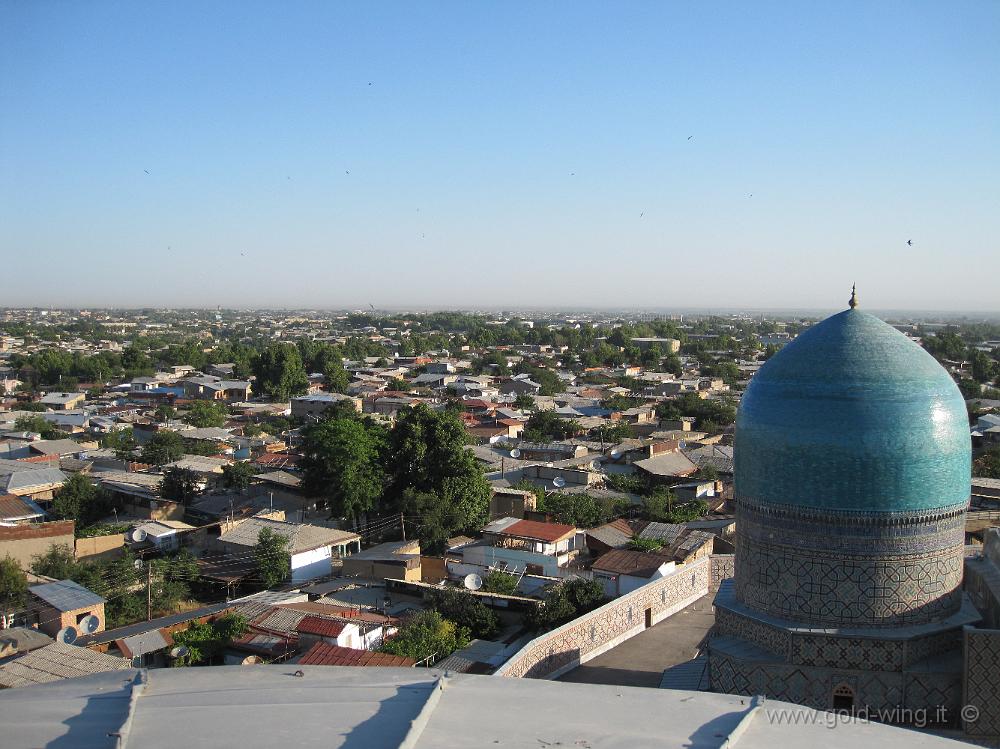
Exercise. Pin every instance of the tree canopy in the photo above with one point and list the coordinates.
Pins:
(274, 564)
(280, 373)
(427, 635)
(164, 447)
(342, 462)
(13, 586)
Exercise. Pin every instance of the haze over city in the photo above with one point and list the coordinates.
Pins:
(451, 154)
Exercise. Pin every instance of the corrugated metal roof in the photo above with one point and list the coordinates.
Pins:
(66, 595)
(323, 654)
(57, 661)
(303, 537)
(317, 625)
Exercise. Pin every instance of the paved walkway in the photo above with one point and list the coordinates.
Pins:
(641, 660)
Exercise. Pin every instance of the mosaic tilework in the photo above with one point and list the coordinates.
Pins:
(574, 642)
(831, 590)
(982, 665)
(723, 568)
(813, 686)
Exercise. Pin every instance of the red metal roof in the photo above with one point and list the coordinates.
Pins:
(537, 531)
(315, 625)
(322, 654)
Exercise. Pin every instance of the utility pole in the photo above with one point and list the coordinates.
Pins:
(402, 524)
(149, 591)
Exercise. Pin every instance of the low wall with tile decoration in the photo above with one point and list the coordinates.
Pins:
(554, 653)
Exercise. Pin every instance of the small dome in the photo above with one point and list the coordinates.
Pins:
(852, 415)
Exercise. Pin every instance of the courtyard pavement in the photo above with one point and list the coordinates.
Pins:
(641, 660)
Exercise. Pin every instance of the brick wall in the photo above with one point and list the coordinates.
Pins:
(22, 542)
(563, 649)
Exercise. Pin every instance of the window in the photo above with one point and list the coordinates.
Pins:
(843, 698)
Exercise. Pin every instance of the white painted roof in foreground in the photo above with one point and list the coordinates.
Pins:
(376, 708)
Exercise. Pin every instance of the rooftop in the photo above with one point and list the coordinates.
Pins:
(384, 708)
(303, 537)
(66, 595)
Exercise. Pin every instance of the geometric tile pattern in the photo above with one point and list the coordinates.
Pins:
(872, 571)
(813, 686)
(982, 666)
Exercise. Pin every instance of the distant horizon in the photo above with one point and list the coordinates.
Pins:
(517, 311)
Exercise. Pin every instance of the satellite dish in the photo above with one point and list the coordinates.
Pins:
(473, 581)
(138, 535)
(558, 482)
(615, 454)
(252, 660)
(515, 453)
(90, 624)
(681, 444)
(595, 464)
(179, 652)
(137, 564)
(67, 635)
(465, 397)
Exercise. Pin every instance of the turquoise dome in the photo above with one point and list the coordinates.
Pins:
(852, 415)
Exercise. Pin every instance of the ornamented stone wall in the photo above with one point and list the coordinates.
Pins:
(723, 568)
(980, 690)
(813, 686)
(839, 569)
(576, 642)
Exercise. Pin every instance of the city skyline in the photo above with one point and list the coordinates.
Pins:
(450, 156)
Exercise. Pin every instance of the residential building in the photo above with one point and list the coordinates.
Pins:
(311, 547)
(523, 546)
(54, 606)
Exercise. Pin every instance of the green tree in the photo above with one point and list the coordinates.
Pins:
(427, 458)
(164, 413)
(337, 379)
(546, 426)
(80, 499)
(398, 384)
(467, 611)
(180, 485)
(164, 447)
(274, 563)
(13, 586)
(238, 475)
(36, 424)
(206, 640)
(206, 414)
(58, 562)
(280, 373)
(500, 582)
(645, 544)
(613, 433)
(427, 635)
(565, 602)
(122, 442)
(342, 462)
(524, 401)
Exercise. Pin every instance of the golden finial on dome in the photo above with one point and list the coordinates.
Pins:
(854, 296)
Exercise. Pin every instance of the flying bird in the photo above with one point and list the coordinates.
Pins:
(146, 171)
(642, 214)
(347, 171)
(690, 137)
(909, 242)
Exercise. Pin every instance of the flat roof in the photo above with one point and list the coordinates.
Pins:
(381, 708)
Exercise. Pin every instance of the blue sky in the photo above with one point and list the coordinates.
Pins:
(499, 154)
